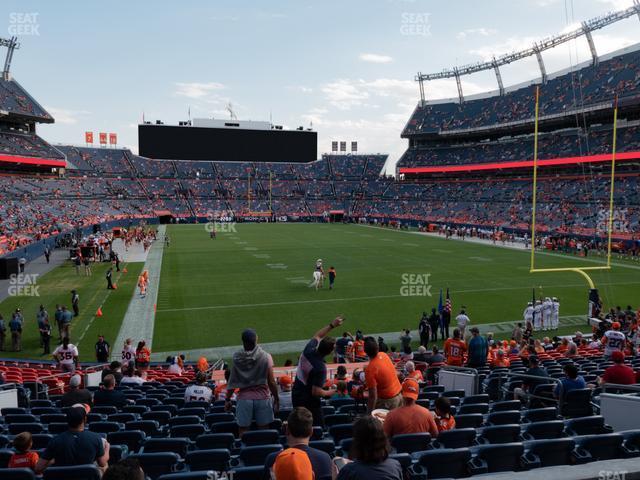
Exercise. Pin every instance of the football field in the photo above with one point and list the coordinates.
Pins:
(258, 276)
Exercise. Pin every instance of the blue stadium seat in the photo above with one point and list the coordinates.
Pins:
(339, 432)
(411, 442)
(471, 420)
(260, 437)
(215, 459)
(133, 439)
(225, 427)
(149, 427)
(16, 428)
(345, 447)
(39, 411)
(17, 474)
(197, 411)
(499, 434)
(105, 427)
(212, 418)
(186, 420)
(138, 409)
(162, 417)
(40, 403)
(550, 453)
(4, 441)
(20, 418)
(200, 404)
(339, 402)
(79, 472)
(210, 441)
(434, 388)
(178, 446)
(544, 430)
(202, 475)
(604, 446)
(505, 457)
(577, 403)
(587, 426)
(631, 438)
(508, 417)
(55, 428)
(156, 464)
(505, 405)
(445, 463)
(472, 399)
(456, 438)
(104, 410)
(172, 409)
(122, 417)
(40, 440)
(540, 414)
(189, 431)
(481, 408)
(325, 445)
(248, 473)
(13, 411)
(256, 455)
(337, 419)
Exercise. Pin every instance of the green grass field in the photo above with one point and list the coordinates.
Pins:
(258, 277)
(211, 289)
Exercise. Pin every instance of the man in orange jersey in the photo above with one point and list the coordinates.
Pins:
(410, 417)
(454, 349)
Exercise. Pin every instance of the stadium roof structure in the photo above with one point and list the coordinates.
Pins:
(536, 49)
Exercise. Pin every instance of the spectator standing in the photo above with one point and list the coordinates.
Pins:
(47, 253)
(75, 303)
(454, 349)
(370, 453)
(58, 318)
(108, 395)
(517, 333)
(311, 373)
(67, 318)
(143, 355)
(199, 391)
(103, 349)
(410, 417)
(45, 336)
(41, 316)
(75, 394)
(424, 330)
(109, 277)
(286, 402)
(67, 356)
(252, 375)
(462, 320)
(115, 369)
(405, 339)
(478, 349)
(434, 324)
(381, 379)
(3, 333)
(15, 326)
(341, 347)
(23, 263)
(76, 446)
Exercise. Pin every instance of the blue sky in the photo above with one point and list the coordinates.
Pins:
(345, 66)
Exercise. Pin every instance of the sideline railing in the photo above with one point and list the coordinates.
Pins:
(84, 372)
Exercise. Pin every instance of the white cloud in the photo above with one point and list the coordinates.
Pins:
(375, 58)
(68, 117)
(301, 88)
(197, 89)
(483, 32)
(347, 93)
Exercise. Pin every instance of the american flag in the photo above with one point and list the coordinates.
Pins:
(447, 303)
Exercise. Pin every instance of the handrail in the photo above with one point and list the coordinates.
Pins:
(541, 380)
(89, 369)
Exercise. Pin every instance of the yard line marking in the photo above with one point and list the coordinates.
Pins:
(481, 259)
(373, 297)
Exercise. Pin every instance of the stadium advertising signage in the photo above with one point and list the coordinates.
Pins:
(226, 144)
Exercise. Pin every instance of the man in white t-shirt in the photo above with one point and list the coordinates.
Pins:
(128, 353)
(67, 356)
(462, 320)
(198, 392)
(613, 340)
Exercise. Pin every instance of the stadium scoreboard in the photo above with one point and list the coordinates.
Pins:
(232, 141)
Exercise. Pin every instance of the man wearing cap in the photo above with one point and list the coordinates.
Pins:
(76, 446)
(252, 375)
(291, 463)
(618, 373)
(75, 394)
(381, 379)
(410, 417)
(613, 340)
(311, 374)
(286, 402)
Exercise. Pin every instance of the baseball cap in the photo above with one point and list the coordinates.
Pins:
(615, 325)
(76, 415)
(75, 381)
(249, 336)
(293, 464)
(617, 356)
(285, 380)
(410, 389)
